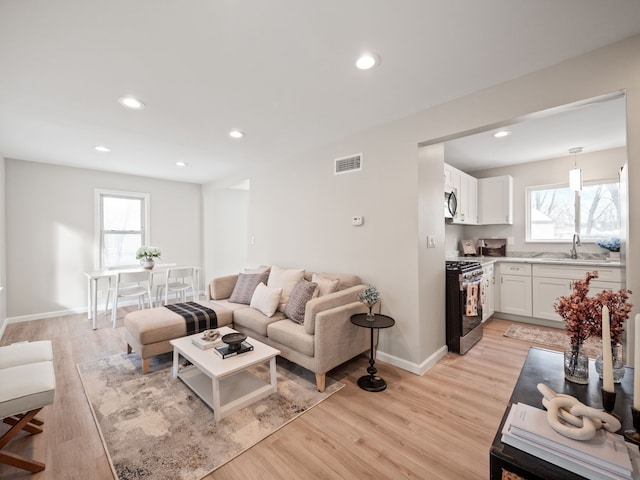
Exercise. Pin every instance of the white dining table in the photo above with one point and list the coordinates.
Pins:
(94, 277)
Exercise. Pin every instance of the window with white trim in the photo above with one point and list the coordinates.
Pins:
(122, 226)
(555, 213)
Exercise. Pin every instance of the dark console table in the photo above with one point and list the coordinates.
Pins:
(545, 366)
(371, 382)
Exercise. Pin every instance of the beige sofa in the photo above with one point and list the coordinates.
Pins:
(326, 339)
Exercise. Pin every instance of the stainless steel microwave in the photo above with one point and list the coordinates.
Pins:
(450, 203)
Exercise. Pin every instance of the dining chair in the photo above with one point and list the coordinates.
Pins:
(179, 281)
(131, 284)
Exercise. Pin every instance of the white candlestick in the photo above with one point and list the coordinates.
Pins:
(636, 366)
(607, 356)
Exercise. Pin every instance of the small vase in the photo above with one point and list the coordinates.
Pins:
(576, 365)
(147, 263)
(618, 363)
(614, 256)
(371, 316)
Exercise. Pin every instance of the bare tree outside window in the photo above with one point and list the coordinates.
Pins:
(556, 213)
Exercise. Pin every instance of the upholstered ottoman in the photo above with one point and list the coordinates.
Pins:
(148, 331)
(28, 384)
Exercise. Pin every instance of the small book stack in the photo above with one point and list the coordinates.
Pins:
(205, 343)
(224, 352)
(606, 456)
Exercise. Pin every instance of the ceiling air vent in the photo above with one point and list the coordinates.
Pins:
(352, 163)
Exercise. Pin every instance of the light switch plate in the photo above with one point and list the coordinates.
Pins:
(357, 220)
(431, 241)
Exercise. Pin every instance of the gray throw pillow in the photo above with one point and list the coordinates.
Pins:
(297, 303)
(246, 285)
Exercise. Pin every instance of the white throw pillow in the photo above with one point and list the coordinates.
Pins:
(266, 299)
(326, 285)
(286, 279)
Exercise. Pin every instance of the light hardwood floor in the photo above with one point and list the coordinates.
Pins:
(436, 426)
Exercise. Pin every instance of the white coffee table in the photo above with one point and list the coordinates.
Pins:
(225, 384)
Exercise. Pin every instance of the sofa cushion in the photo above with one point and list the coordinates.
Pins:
(266, 299)
(326, 285)
(246, 285)
(286, 279)
(227, 304)
(255, 320)
(300, 295)
(293, 336)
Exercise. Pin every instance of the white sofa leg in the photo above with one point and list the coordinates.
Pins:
(321, 381)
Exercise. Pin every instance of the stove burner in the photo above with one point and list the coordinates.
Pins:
(462, 266)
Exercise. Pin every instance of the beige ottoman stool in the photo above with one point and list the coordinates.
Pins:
(28, 384)
(148, 331)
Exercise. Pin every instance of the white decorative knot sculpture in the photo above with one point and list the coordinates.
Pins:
(572, 418)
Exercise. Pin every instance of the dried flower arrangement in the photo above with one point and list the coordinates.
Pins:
(578, 311)
(583, 314)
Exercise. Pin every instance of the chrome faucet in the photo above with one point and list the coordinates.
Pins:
(576, 243)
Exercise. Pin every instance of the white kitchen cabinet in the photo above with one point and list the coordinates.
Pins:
(448, 176)
(488, 291)
(546, 291)
(515, 289)
(549, 282)
(495, 200)
(466, 188)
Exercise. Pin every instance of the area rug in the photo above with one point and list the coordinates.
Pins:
(154, 427)
(559, 339)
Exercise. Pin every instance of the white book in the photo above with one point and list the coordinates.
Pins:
(588, 471)
(592, 467)
(606, 450)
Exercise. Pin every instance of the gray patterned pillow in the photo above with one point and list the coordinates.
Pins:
(297, 303)
(246, 285)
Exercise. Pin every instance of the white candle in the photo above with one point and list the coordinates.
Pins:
(607, 356)
(636, 366)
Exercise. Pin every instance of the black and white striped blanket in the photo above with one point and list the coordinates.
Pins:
(197, 317)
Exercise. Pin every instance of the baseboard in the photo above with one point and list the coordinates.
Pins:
(418, 369)
(531, 320)
(59, 313)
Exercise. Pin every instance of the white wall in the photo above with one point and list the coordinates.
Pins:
(3, 257)
(604, 164)
(226, 239)
(50, 231)
(300, 212)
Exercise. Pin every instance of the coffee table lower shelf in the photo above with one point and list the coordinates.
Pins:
(235, 391)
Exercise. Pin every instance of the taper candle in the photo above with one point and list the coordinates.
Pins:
(607, 355)
(636, 366)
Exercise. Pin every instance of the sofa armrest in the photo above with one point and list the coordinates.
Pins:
(222, 287)
(337, 339)
(320, 304)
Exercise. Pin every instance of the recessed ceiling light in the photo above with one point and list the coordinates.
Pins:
(182, 164)
(102, 148)
(502, 134)
(236, 134)
(367, 61)
(131, 102)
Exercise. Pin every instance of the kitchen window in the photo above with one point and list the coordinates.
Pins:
(122, 226)
(555, 213)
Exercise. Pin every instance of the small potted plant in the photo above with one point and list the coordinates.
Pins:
(147, 255)
(369, 296)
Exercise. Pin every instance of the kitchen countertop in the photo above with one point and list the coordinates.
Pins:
(545, 260)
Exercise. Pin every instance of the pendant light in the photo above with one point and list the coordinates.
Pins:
(575, 175)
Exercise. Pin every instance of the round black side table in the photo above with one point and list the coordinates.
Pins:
(371, 382)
